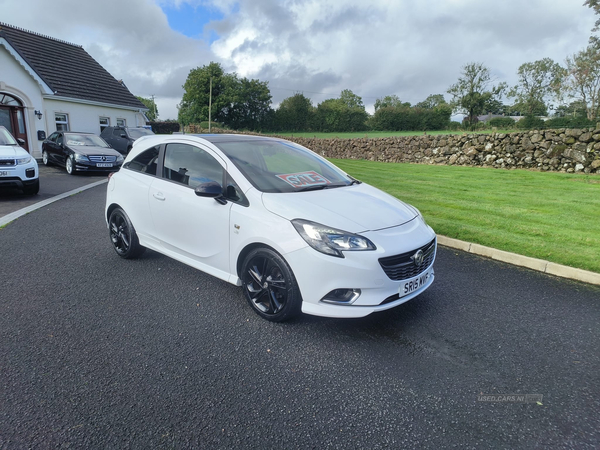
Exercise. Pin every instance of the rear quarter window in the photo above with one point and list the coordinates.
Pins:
(145, 162)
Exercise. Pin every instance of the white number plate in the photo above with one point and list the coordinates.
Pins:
(104, 165)
(4, 173)
(414, 284)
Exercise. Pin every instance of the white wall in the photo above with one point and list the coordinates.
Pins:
(16, 81)
(84, 117)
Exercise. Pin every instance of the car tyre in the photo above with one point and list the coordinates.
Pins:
(32, 189)
(123, 235)
(45, 159)
(270, 286)
(70, 165)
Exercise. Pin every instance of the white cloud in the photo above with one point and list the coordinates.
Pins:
(319, 47)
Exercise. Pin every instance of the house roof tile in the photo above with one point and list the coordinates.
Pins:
(68, 69)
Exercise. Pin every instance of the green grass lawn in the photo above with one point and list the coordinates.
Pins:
(551, 216)
(381, 134)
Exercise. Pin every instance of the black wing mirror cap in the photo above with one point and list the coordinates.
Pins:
(21, 142)
(211, 189)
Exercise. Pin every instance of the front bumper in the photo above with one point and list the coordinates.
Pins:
(82, 166)
(19, 175)
(318, 274)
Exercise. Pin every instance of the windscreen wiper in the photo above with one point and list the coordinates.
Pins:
(318, 187)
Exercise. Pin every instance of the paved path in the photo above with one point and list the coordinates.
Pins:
(99, 352)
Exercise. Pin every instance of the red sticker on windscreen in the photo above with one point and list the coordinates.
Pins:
(302, 179)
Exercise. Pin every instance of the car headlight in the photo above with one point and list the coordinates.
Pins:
(79, 157)
(330, 240)
(23, 160)
(120, 159)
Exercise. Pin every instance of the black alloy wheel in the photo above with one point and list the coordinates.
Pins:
(270, 286)
(123, 235)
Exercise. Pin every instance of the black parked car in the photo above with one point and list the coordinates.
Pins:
(80, 152)
(122, 138)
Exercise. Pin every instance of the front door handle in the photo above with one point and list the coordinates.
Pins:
(159, 196)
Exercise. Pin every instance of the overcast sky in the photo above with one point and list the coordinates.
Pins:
(411, 48)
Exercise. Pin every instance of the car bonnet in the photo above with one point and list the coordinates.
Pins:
(12, 151)
(90, 150)
(356, 208)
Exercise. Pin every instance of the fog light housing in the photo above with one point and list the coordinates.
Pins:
(30, 173)
(342, 296)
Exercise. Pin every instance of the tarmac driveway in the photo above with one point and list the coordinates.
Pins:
(53, 181)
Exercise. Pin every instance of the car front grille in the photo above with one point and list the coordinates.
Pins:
(101, 158)
(403, 266)
(7, 162)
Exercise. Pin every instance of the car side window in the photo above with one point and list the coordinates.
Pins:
(59, 139)
(191, 165)
(53, 137)
(118, 133)
(145, 162)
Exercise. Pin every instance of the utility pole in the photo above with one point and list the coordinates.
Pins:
(209, 103)
(154, 108)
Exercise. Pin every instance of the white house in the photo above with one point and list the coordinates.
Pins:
(47, 85)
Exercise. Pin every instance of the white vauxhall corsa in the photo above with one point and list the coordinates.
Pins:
(296, 232)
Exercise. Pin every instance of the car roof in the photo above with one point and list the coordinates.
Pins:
(215, 138)
(145, 142)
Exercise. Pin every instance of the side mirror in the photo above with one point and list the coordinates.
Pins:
(211, 189)
(21, 142)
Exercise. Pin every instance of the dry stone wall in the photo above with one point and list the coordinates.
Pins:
(560, 150)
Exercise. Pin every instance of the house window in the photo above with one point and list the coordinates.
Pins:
(104, 122)
(121, 122)
(62, 122)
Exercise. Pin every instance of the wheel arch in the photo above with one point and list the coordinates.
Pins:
(247, 249)
(110, 209)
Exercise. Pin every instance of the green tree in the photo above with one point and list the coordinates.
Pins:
(573, 109)
(595, 6)
(238, 103)
(389, 101)
(194, 104)
(432, 101)
(346, 113)
(249, 104)
(473, 92)
(537, 82)
(351, 100)
(583, 79)
(152, 113)
(294, 113)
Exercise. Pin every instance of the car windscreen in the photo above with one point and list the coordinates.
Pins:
(281, 166)
(136, 133)
(88, 140)
(6, 138)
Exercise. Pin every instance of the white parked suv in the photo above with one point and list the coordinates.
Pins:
(17, 167)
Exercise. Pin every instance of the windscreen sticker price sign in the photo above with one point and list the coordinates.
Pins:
(303, 179)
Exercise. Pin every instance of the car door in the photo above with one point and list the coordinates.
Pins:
(119, 140)
(62, 152)
(54, 149)
(107, 136)
(192, 229)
